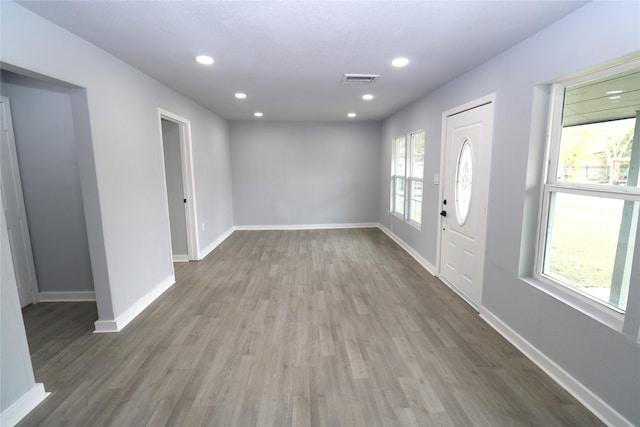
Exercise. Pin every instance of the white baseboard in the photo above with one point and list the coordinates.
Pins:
(206, 251)
(308, 226)
(20, 408)
(423, 262)
(103, 326)
(578, 390)
(66, 296)
(180, 258)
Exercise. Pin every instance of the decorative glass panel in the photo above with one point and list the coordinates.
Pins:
(464, 179)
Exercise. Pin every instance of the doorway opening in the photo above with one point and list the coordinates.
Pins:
(42, 192)
(175, 133)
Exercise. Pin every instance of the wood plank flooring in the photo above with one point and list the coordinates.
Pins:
(292, 328)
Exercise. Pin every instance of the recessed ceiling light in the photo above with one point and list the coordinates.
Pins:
(204, 59)
(258, 114)
(367, 97)
(351, 115)
(241, 95)
(614, 92)
(399, 62)
(615, 97)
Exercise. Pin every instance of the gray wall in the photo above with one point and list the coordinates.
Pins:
(48, 160)
(127, 208)
(290, 173)
(175, 188)
(604, 360)
(16, 370)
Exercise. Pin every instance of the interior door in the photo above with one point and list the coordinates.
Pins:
(467, 155)
(14, 211)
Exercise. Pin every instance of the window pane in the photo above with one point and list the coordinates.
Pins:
(590, 243)
(400, 204)
(597, 153)
(400, 153)
(598, 120)
(399, 196)
(417, 155)
(415, 204)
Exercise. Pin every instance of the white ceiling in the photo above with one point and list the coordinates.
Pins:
(290, 56)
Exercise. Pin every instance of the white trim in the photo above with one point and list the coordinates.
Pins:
(105, 326)
(308, 226)
(398, 214)
(21, 407)
(578, 390)
(579, 300)
(180, 258)
(423, 262)
(138, 307)
(206, 251)
(66, 296)
(551, 186)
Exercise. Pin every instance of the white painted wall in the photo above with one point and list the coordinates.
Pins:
(48, 159)
(607, 362)
(16, 371)
(292, 173)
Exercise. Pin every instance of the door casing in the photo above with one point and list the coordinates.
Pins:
(187, 178)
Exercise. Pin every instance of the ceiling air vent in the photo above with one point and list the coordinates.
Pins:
(360, 79)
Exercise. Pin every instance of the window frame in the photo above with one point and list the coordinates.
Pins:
(395, 177)
(608, 314)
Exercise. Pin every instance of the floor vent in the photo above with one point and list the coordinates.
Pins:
(360, 79)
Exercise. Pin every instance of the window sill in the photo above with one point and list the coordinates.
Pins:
(414, 224)
(580, 303)
(397, 215)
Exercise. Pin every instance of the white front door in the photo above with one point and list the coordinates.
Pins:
(14, 211)
(465, 186)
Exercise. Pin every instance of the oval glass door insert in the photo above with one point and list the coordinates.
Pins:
(464, 180)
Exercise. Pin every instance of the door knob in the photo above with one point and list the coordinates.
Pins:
(443, 213)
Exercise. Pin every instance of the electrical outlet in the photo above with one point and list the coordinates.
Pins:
(202, 226)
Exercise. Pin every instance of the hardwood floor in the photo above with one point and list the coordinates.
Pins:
(292, 328)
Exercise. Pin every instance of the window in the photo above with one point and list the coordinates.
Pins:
(591, 196)
(416, 172)
(398, 175)
(407, 170)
